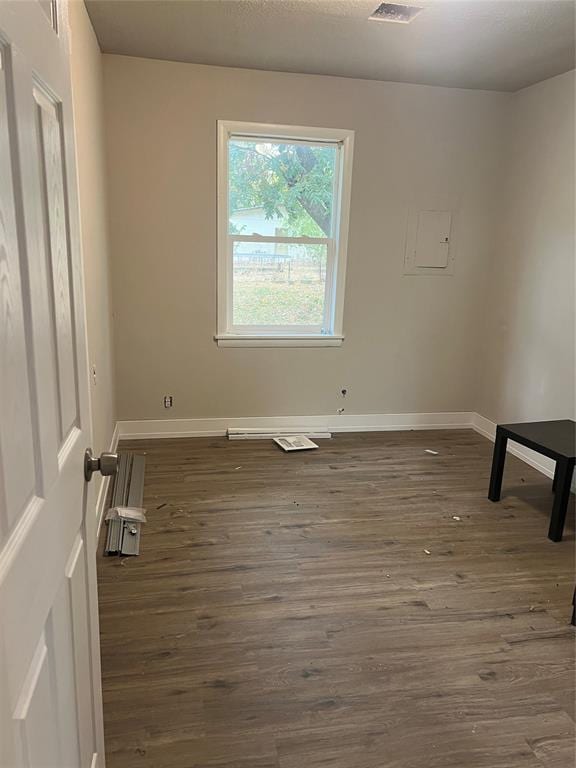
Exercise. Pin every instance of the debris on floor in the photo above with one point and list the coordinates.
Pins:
(130, 514)
(427, 552)
(456, 517)
(434, 453)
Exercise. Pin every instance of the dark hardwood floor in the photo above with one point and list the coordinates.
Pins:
(359, 606)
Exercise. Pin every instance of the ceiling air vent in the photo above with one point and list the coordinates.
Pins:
(401, 14)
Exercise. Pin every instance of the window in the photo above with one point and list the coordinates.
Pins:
(283, 202)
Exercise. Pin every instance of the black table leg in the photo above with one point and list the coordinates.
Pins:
(555, 481)
(498, 458)
(563, 478)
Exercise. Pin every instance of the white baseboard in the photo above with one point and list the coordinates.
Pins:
(372, 422)
(105, 484)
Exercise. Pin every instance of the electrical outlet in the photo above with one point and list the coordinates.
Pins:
(168, 401)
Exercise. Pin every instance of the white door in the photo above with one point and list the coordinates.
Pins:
(50, 695)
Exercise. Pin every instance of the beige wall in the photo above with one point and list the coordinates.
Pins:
(411, 342)
(87, 87)
(528, 360)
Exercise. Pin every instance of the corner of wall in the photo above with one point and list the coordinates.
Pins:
(524, 371)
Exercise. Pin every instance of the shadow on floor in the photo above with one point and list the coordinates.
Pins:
(541, 499)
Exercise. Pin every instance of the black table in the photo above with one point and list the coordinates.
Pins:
(555, 439)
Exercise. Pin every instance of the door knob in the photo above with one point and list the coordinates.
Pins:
(106, 464)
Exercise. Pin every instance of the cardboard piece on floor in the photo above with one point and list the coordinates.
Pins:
(295, 443)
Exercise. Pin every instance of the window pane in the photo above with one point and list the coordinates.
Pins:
(280, 188)
(279, 284)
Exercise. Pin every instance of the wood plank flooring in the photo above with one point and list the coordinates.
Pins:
(359, 606)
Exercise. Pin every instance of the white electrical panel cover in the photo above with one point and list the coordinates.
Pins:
(428, 243)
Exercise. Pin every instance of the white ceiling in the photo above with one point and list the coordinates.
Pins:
(503, 45)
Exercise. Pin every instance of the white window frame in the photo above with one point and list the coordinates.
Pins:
(330, 334)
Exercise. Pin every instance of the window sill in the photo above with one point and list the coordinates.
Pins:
(308, 340)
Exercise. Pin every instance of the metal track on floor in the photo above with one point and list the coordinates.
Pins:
(123, 537)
